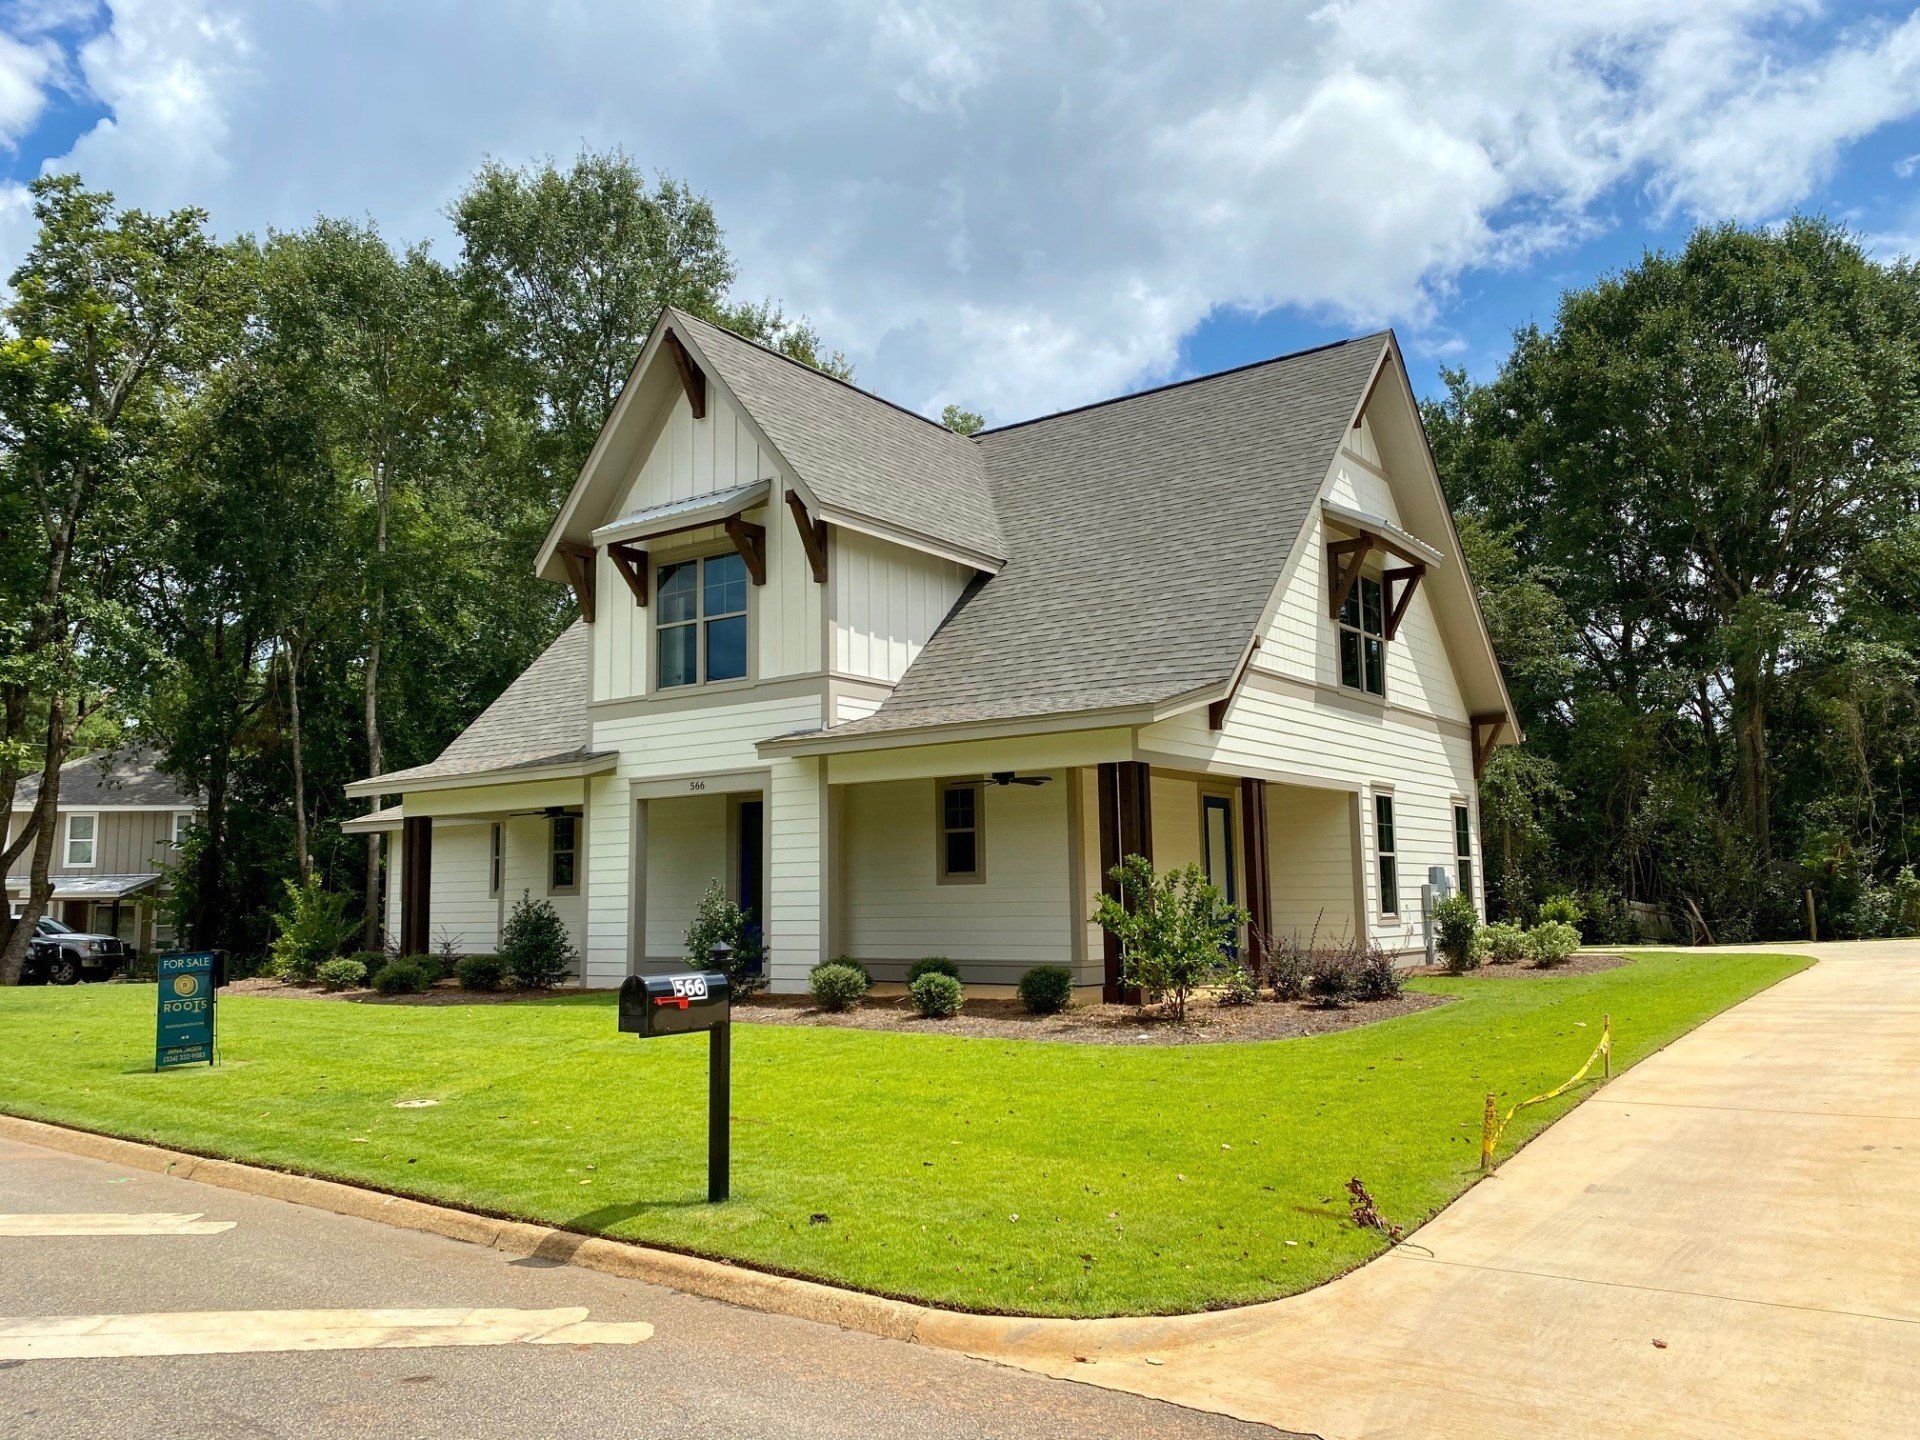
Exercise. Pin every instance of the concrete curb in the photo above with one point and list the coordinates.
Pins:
(984, 1335)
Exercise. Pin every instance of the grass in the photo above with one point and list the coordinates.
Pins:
(983, 1174)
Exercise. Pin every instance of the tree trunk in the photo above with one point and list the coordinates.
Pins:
(376, 753)
(299, 765)
(13, 955)
(1756, 778)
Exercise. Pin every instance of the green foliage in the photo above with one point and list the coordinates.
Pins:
(401, 977)
(1552, 942)
(962, 421)
(1174, 929)
(838, 986)
(481, 972)
(312, 928)
(719, 921)
(932, 965)
(850, 963)
(1503, 943)
(1237, 987)
(1906, 902)
(1375, 977)
(1457, 926)
(1046, 989)
(534, 945)
(343, 974)
(936, 995)
(1562, 909)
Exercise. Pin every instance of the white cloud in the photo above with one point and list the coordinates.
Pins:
(25, 72)
(1029, 205)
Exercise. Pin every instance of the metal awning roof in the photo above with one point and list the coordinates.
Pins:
(92, 887)
(1405, 544)
(689, 514)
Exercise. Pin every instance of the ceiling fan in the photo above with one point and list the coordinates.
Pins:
(1007, 777)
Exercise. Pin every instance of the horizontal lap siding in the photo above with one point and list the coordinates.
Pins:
(459, 909)
(686, 848)
(1310, 855)
(796, 900)
(897, 911)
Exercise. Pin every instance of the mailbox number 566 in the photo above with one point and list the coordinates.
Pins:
(690, 987)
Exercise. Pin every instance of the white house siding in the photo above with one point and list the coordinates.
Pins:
(799, 821)
(1310, 852)
(897, 911)
(460, 910)
(686, 848)
(688, 457)
(886, 602)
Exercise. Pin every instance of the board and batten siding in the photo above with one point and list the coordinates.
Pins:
(896, 910)
(683, 458)
(126, 842)
(886, 602)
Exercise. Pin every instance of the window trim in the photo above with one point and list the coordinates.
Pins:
(1463, 868)
(92, 841)
(554, 851)
(497, 859)
(1341, 628)
(978, 875)
(697, 558)
(181, 820)
(1386, 853)
(1220, 800)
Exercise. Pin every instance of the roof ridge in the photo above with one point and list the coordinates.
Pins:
(815, 370)
(1386, 334)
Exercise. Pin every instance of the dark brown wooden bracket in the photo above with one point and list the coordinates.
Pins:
(813, 536)
(691, 376)
(1486, 734)
(1345, 557)
(580, 575)
(751, 541)
(1408, 577)
(631, 562)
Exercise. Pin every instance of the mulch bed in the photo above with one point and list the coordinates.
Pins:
(1577, 965)
(446, 992)
(1208, 1021)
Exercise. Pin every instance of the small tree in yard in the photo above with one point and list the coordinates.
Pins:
(1459, 928)
(534, 944)
(1174, 929)
(311, 928)
(718, 921)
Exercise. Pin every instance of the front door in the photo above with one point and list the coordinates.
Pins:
(1216, 833)
(752, 870)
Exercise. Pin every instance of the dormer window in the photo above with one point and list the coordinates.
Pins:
(701, 630)
(1363, 638)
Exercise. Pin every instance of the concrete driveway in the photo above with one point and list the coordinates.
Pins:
(1721, 1243)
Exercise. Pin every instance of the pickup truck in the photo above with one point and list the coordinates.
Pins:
(61, 955)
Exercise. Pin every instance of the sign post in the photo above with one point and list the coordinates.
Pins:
(184, 1028)
(686, 1004)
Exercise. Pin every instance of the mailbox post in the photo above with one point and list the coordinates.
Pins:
(687, 1004)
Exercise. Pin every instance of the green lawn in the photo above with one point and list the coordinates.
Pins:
(998, 1175)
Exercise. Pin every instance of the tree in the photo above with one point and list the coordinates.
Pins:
(1175, 929)
(112, 314)
(962, 422)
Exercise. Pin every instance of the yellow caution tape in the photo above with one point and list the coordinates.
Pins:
(1495, 1123)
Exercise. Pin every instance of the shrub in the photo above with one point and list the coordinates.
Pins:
(1046, 989)
(849, 962)
(932, 965)
(1335, 975)
(1561, 910)
(1458, 925)
(1551, 942)
(1374, 975)
(309, 930)
(719, 921)
(1286, 970)
(936, 995)
(400, 977)
(534, 944)
(1173, 929)
(1906, 901)
(342, 974)
(836, 986)
(1503, 943)
(481, 972)
(1239, 987)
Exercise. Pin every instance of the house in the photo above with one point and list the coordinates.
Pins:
(905, 693)
(119, 824)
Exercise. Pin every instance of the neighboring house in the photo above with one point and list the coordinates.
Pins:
(906, 693)
(118, 824)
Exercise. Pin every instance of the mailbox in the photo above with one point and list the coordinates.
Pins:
(673, 1004)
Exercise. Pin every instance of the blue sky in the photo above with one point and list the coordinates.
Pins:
(1022, 205)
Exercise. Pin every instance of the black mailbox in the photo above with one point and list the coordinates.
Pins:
(673, 1004)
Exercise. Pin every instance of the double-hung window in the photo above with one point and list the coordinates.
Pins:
(1463, 849)
(563, 855)
(701, 632)
(1363, 638)
(1384, 854)
(961, 859)
(182, 819)
(80, 831)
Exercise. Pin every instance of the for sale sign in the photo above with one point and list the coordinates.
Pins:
(185, 1032)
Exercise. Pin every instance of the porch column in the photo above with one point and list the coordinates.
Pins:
(1259, 883)
(416, 883)
(1126, 828)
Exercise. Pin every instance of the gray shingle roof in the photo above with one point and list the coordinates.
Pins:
(857, 452)
(1146, 536)
(127, 776)
(540, 719)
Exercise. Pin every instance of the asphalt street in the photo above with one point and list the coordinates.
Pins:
(109, 1277)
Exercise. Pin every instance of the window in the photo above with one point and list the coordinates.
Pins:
(1216, 843)
(496, 857)
(960, 848)
(563, 855)
(702, 625)
(181, 820)
(1363, 638)
(1384, 851)
(80, 839)
(1463, 849)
